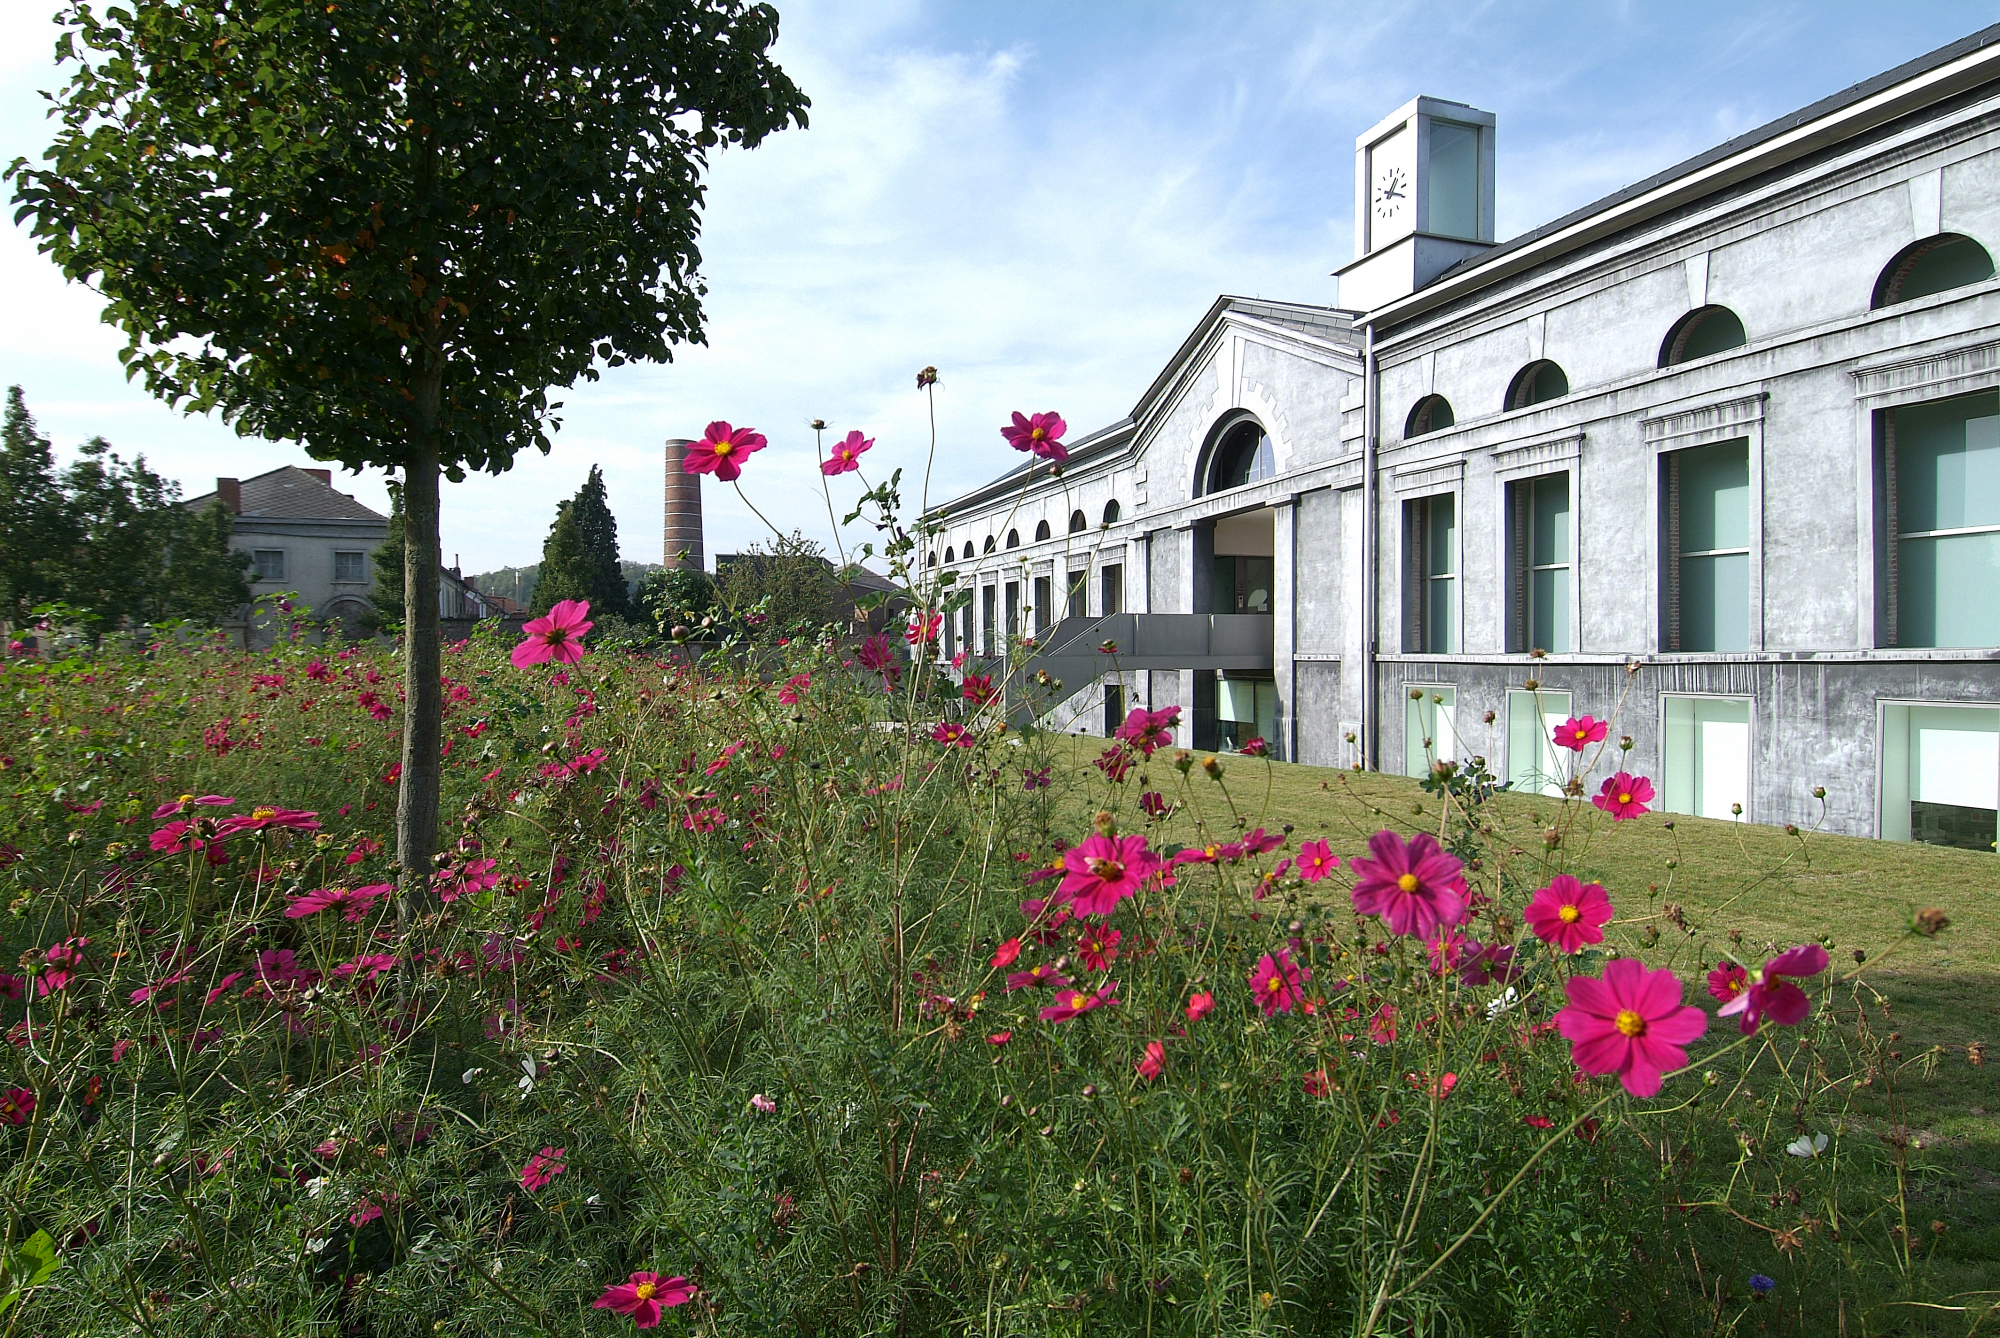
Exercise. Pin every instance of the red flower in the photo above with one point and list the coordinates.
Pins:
(1275, 982)
(1000, 1038)
(1007, 953)
(1149, 731)
(1070, 1003)
(1727, 981)
(722, 451)
(176, 837)
(794, 688)
(1567, 914)
(556, 635)
(1153, 1061)
(182, 804)
(1040, 435)
(1624, 795)
(1316, 1083)
(1414, 886)
(951, 734)
(258, 820)
(352, 904)
(16, 1105)
(846, 455)
(543, 1168)
(1316, 860)
(1199, 1005)
(1261, 842)
(1044, 974)
(978, 689)
(1153, 804)
(1115, 762)
(1098, 948)
(1574, 733)
(1631, 1022)
(875, 653)
(1255, 748)
(1103, 870)
(471, 877)
(923, 629)
(1772, 994)
(645, 1296)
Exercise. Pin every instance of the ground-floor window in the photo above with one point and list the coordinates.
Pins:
(1245, 709)
(1114, 708)
(1429, 712)
(1705, 756)
(1941, 774)
(1534, 764)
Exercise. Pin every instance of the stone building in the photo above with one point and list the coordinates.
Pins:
(1734, 424)
(304, 535)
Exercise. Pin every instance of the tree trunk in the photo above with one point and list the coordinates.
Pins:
(423, 706)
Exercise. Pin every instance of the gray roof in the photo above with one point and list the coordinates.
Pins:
(289, 493)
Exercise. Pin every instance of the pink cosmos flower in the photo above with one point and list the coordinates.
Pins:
(175, 838)
(1727, 981)
(763, 1105)
(1043, 974)
(1103, 870)
(1624, 796)
(543, 1168)
(1098, 948)
(1149, 731)
(351, 903)
(846, 454)
(221, 987)
(16, 1105)
(1575, 733)
(1631, 1022)
(1040, 435)
(262, 819)
(978, 689)
(1771, 992)
(1073, 1002)
(923, 629)
(1153, 804)
(464, 880)
(1413, 886)
(11, 986)
(1567, 914)
(722, 451)
(1275, 982)
(181, 805)
(952, 734)
(1199, 1006)
(1447, 947)
(1255, 748)
(1487, 964)
(1007, 953)
(365, 968)
(794, 688)
(556, 635)
(644, 1297)
(1154, 1061)
(1261, 842)
(1316, 860)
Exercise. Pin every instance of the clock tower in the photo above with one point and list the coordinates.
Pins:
(1423, 199)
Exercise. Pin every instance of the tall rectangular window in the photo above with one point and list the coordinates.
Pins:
(269, 564)
(1245, 709)
(1941, 775)
(1013, 610)
(1430, 563)
(1044, 598)
(1708, 548)
(1243, 584)
(1705, 755)
(349, 566)
(1942, 467)
(965, 629)
(1534, 764)
(1114, 708)
(1538, 522)
(988, 598)
(1079, 580)
(1429, 713)
(1112, 588)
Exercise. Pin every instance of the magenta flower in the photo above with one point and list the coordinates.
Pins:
(185, 801)
(1772, 994)
(175, 838)
(1006, 954)
(763, 1105)
(1073, 1003)
(876, 653)
(1631, 1022)
(556, 635)
(1574, 733)
(351, 903)
(846, 455)
(1255, 748)
(1149, 731)
(1316, 860)
(1103, 870)
(1727, 981)
(1040, 435)
(261, 819)
(1042, 974)
(1275, 982)
(952, 734)
(1413, 886)
(794, 688)
(923, 628)
(1098, 948)
(1567, 914)
(16, 1105)
(644, 1297)
(543, 1168)
(1198, 1006)
(464, 880)
(978, 689)
(1624, 796)
(1154, 1061)
(722, 451)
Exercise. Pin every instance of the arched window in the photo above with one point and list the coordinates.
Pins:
(1041, 531)
(1703, 331)
(1932, 265)
(1242, 455)
(950, 556)
(989, 543)
(1078, 523)
(1537, 383)
(1432, 413)
(1111, 512)
(1013, 538)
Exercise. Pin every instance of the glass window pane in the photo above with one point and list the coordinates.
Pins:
(1944, 591)
(1952, 265)
(1705, 757)
(1948, 464)
(1425, 719)
(1440, 613)
(1715, 603)
(1548, 602)
(1257, 574)
(1440, 536)
(1454, 180)
(1534, 764)
(1715, 497)
(1550, 541)
(1715, 332)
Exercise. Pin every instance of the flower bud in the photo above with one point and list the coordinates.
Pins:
(1533, 685)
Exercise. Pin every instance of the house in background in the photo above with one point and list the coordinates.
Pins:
(304, 535)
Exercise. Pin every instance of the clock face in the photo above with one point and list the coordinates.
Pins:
(1391, 191)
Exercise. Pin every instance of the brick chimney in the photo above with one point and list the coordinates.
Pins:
(323, 475)
(231, 493)
(683, 509)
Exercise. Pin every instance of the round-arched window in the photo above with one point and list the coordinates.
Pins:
(1111, 512)
(1041, 531)
(1013, 538)
(1933, 265)
(989, 543)
(1432, 413)
(1701, 332)
(1243, 455)
(1078, 523)
(1537, 383)
(950, 556)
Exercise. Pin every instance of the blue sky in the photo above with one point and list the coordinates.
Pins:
(1038, 198)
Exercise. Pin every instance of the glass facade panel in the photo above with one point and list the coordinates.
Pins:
(1715, 497)
(1440, 568)
(1428, 732)
(1945, 591)
(1947, 522)
(1044, 599)
(1715, 602)
(1245, 709)
(1078, 579)
(1454, 180)
(1705, 755)
(1534, 764)
(1111, 582)
(1548, 557)
(1548, 599)
(1941, 775)
(1716, 332)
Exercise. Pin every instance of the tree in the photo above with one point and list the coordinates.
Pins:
(387, 228)
(580, 556)
(790, 583)
(676, 596)
(385, 601)
(206, 578)
(34, 523)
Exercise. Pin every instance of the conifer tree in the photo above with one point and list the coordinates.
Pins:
(34, 523)
(580, 556)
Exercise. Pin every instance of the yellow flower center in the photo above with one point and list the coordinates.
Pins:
(1630, 1023)
(644, 1291)
(1624, 798)
(1408, 882)
(187, 799)
(1569, 915)
(264, 814)
(1582, 734)
(1211, 851)
(724, 447)
(1107, 868)
(1275, 983)
(1039, 434)
(1078, 1000)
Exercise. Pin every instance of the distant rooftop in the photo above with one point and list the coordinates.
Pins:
(287, 493)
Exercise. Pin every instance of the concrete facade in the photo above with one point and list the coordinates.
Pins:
(1409, 442)
(306, 537)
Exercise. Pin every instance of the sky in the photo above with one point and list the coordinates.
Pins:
(1040, 199)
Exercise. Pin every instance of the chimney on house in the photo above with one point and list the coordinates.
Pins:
(683, 509)
(323, 475)
(231, 493)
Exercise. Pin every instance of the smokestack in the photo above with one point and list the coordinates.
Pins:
(683, 509)
(230, 491)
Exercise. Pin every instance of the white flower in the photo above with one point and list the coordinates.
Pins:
(1502, 1003)
(527, 1083)
(1807, 1145)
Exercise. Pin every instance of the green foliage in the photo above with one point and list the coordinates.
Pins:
(29, 1264)
(385, 601)
(35, 532)
(784, 587)
(580, 557)
(677, 596)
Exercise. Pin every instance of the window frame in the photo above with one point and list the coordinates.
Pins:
(1418, 578)
(1710, 422)
(1889, 536)
(258, 576)
(1749, 759)
(1883, 706)
(360, 556)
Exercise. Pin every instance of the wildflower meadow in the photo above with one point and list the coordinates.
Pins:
(779, 983)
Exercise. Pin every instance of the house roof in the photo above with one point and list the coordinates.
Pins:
(290, 493)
